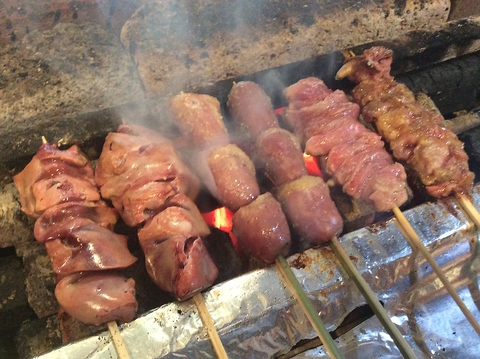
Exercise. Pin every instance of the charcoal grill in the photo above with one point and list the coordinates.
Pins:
(73, 71)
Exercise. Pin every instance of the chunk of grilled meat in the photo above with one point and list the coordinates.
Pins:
(75, 226)
(327, 122)
(140, 171)
(417, 136)
(229, 174)
(305, 200)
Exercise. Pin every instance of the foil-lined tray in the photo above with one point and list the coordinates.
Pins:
(257, 316)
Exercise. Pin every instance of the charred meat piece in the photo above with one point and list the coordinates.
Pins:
(263, 228)
(152, 189)
(312, 214)
(358, 160)
(97, 297)
(199, 119)
(305, 200)
(76, 227)
(229, 174)
(279, 155)
(253, 106)
(415, 134)
(234, 176)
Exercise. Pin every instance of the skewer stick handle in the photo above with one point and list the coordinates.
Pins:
(307, 307)
(415, 240)
(468, 206)
(117, 340)
(372, 300)
(210, 327)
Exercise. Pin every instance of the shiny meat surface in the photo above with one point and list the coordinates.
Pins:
(234, 176)
(357, 158)
(250, 106)
(305, 200)
(173, 221)
(47, 164)
(229, 174)
(153, 190)
(117, 145)
(312, 214)
(89, 248)
(180, 265)
(415, 134)
(57, 221)
(75, 226)
(151, 163)
(280, 156)
(63, 188)
(199, 119)
(139, 204)
(373, 64)
(262, 228)
(97, 297)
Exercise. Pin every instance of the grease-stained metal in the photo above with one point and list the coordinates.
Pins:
(257, 317)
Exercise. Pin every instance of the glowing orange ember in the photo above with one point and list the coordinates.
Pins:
(220, 218)
(312, 165)
(310, 162)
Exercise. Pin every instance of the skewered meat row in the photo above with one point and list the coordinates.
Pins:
(327, 123)
(152, 189)
(416, 135)
(259, 222)
(76, 227)
(305, 199)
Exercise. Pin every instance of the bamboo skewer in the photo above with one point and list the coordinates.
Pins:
(118, 340)
(416, 242)
(468, 206)
(307, 307)
(372, 300)
(210, 327)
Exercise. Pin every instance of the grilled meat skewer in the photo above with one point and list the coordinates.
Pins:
(259, 222)
(76, 227)
(153, 190)
(327, 123)
(416, 135)
(305, 199)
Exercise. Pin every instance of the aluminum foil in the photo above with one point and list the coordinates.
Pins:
(257, 316)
